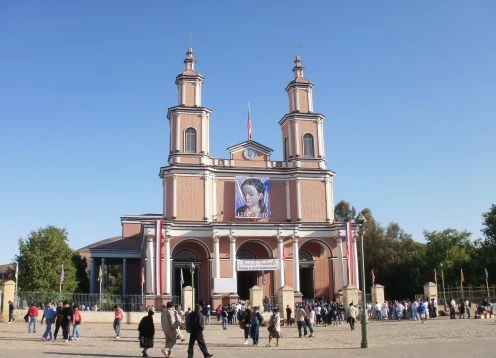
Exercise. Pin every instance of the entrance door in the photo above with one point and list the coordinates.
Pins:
(246, 280)
(306, 281)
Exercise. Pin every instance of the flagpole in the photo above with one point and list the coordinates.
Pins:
(461, 280)
(60, 280)
(487, 284)
(17, 279)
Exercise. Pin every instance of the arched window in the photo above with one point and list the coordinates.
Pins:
(246, 255)
(190, 140)
(186, 256)
(308, 151)
(305, 256)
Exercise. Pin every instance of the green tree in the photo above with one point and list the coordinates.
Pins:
(454, 250)
(344, 212)
(486, 247)
(41, 257)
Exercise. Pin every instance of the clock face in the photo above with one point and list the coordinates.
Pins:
(249, 153)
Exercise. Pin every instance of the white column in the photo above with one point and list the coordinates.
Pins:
(183, 93)
(280, 248)
(178, 133)
(320, 129)
(149, 271)
(298, 199)
(203, 134)
(297, 139)
(328, 202)
(174, 196)
(310, 100)
(339, 243)
(232, 249)
(291, 144)
(296, 264)
(197, 94)
(297, 100)
(164, 196)
(168, 266)
(216, 257)
(214, 211)
(355, 259)
(288, 201)
(206, 201)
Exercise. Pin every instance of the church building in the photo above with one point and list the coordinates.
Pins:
(231, 223)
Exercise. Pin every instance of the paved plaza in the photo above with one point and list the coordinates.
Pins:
(441, 337)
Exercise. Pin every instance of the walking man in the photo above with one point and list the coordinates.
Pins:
(194, 325)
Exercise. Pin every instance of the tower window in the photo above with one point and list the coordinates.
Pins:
(308, 151)
(190, 140)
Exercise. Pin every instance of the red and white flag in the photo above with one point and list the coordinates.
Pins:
(249, 123)
(373, 277)
(435, 277)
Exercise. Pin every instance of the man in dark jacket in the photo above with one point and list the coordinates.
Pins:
(194, 326)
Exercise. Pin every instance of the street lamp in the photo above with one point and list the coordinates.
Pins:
(192, 270)
(360, 220)
(444, 292)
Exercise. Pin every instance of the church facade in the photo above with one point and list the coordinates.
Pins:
(232, 223)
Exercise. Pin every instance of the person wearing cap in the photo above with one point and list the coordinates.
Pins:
(274, 326)
(146, 330)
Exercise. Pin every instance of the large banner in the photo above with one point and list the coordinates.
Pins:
(252, 197)
(257, 265)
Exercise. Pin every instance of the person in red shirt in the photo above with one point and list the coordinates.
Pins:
(33, 318)
(118, 315)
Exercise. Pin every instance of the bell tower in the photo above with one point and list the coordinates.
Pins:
(189, 121)
(302, 129)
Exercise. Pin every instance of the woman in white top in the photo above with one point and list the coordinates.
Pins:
(274, 326)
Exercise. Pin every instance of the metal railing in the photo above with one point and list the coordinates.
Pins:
(89, 301)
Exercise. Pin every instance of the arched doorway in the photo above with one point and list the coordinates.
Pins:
(182, 275)
(306, 274)
(246, 279)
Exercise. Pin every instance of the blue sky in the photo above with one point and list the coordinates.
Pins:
(408, 90)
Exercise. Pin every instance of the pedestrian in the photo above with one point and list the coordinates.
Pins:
(289, 312)
(146, 330)
(170, 323)
(118, 315)
(274, 327)
(33, 318)
(300, 316)
(223, 315)
(58, 319)
(208, 313)
(49, 315)
(352, 311)
(11, 312)
(256, 320)
(245, 324)
(310, 319)
(77, 319)
(194, 325)
(65, 323)
(179, 315)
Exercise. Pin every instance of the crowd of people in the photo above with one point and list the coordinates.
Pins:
(67, 318)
